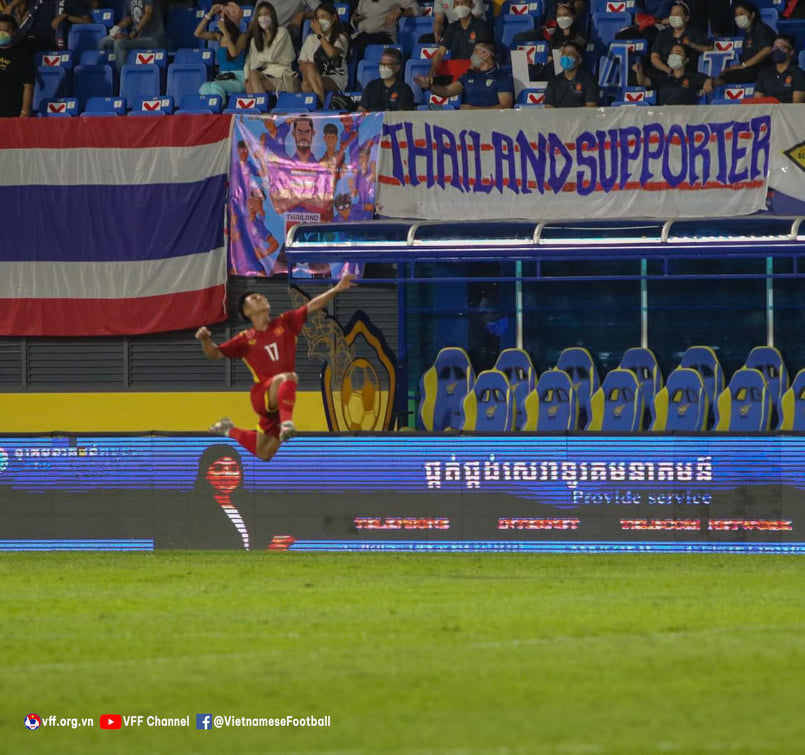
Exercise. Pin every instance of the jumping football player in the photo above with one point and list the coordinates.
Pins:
(269, 350)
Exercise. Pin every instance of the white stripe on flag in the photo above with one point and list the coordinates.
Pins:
(112, 280)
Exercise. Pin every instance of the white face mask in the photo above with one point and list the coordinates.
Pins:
(564, 22)
(677, 22)
(325, 24)
(385, 72)
(462, 11)
(675, 61)
(264, 22)
(476, 61)
(742, 21)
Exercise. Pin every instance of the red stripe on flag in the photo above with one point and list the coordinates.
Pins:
(95, 133)
(112, 317)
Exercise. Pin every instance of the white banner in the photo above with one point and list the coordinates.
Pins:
(575, 164)
(787, 172)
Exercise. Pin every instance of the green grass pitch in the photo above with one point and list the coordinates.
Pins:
(444, 654)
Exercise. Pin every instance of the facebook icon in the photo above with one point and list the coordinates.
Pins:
(203, 721)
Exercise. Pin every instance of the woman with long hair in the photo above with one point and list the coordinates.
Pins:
(231, 53)
(323, 57)
(271, 54)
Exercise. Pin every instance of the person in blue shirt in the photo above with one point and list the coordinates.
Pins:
(483, 87)
(231, 53)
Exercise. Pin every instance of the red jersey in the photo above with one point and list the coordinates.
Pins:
(271, 351)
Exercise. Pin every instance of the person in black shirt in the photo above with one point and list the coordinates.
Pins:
(16, 73)
(683, 87)
(389, 92)
(681, 32)
(783, 80)
(757, 44)
(460, 37)
(574, 87)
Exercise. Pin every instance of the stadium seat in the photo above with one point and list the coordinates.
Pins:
(105, 16)
(185, 79)
(85, 37)
(367, 71)
(411, 28)
(152, 106)
(770, 17)
(435, 102)
(489, 406)
(644, 365)
(578, 363)
(51, 83)
(344, 12)
(506, 27)
(552, 407)
(519, 370)
(769, 361)
(607, 25)
(374, 52)
(66, 107)
(416, 68)
(532, 97)
(195, 55)
(100, 106)
(793, 405)
(536, 52)
(201, 103)
(247, 103)
(745, 405)
(617, 406)
(682, 405)
(92, 81)
(296, 102)
(155, 57)
(534, 8)
(424, 51)
(703, 359)
(55, 59)
(182, 22)
(443, 388)
(139, 82)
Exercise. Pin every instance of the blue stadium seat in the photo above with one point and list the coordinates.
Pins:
(534, 8)
(296, 102)
(105, 16)
(195, 55)
(506, 27)
(769, 361)
(607, 25)
(424, 51)
(55, 59)
(85, 37)
(745, 405)
(415, 68)
(794, 27)
(682, 405)
(51, 83)
(374, 52)
(435, 102)
(536, 52)
(92, 81)
(247, 103)
(158, 105)
(182, 22)
(156, 57)
(793, 405)
(531, 97)
(65, 107)
(578, 363)
(643, 363)
(703, 359)
(367, 71)
(411, 28)
(139, 82)
(185, 79)
(200, 103)
(344, 13)
(617, 406)
(489, 406)
(519, 370)
(109, 106)
(552, 407)
(443, 388)
(769, 16)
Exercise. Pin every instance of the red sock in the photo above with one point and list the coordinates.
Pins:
(286, 398)
(246, 438)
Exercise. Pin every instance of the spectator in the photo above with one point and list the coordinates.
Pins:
(567, 29)
(73, 12)
(16, 72)
(444, 14)
(574, 87)
(271, 54)
(389, 92)
(292, 15)
(323, 58)
(552, 10)
(783, 80)
(678, 32)
(231, 52)
(483, 87)
(460, 37)
(375, 22)
(757, 43)
(139, 29)
(682, 86)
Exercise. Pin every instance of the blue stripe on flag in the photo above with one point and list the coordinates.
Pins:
(112, 223)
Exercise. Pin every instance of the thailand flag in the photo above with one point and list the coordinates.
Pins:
(112, 226)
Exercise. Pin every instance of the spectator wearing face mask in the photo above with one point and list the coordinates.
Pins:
(444, 14)
(271, 54)
(460, 37)
(574, 87)
(483, 87)
(568, 29)
(389, 92)
(16, 72)
(758, 39)
(783, 80)
(679, 32)
(376, 22)
(683, 86)
(323, 57)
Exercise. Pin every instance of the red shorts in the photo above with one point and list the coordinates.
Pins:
(269, 423)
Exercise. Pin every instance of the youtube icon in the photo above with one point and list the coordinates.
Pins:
(111, 721)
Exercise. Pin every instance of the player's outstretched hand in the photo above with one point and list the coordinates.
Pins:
(202, 333)
(348, 281)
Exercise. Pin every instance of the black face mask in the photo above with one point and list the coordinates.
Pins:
(778, 55)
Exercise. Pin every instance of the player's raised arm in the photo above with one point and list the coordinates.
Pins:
(320, 302)
(211, 351)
